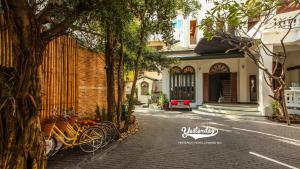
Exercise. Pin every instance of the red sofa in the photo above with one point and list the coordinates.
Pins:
(180, 104)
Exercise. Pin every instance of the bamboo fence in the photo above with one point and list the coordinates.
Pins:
(58, 73)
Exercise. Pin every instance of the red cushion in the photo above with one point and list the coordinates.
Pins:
(186, 102)
(174, 102)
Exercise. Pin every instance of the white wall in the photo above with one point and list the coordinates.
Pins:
(273, 35)
(206, 64)
(265, 102)
(251, 70)
(203, 66)
(242, 80)
(183, 33)
(166, 82)
(154, 75)
(144, 98)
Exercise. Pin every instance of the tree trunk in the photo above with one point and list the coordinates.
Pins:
(280, 98)
(21, 148)
(21, 136)
(110, 73)
(21, 140)
(136, 69)
(120, 83)
(284, 108)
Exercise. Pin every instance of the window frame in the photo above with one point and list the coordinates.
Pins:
(185, 82)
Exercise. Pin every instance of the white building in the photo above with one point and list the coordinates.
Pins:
(148, 87)
(211, 76)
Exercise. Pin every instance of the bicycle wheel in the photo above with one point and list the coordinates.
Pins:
(107, 132)
(51, 145)
(113, 129)
(91, 139)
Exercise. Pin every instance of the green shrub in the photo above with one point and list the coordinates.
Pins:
(276, 108)
(100, 113)
(155, 98)
(103, 112)
(163, 99)
(134, 101)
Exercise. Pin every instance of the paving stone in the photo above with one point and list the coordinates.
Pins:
(156, 145)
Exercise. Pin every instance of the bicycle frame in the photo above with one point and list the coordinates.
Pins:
(66, 140)
(65, 131)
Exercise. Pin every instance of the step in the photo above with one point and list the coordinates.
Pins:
(230, 112)
(236, 107)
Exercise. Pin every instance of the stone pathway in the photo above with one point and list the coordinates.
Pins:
(159, 144)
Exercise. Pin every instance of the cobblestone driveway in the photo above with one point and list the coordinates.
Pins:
(158, 145)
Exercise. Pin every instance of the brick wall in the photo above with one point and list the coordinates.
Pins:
(91, 82)
(71, 77)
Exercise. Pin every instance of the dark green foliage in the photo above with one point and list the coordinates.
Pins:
(163, 99)
(98, 113)
(155, 61)
(124, 113)
(103, 113)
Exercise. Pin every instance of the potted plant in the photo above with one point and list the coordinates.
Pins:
(163, 101)
(166, 104)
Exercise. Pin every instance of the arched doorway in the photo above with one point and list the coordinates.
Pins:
(220, 85)
(211, 84)
(144, 88)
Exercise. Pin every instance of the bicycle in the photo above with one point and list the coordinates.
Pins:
(111, 131)
(89, 139)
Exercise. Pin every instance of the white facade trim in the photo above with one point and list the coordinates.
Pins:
(239, 65)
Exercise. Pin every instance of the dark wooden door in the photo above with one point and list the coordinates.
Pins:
(205, 87)
(233, 78)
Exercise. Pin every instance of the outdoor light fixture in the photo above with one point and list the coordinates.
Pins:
(243, 66)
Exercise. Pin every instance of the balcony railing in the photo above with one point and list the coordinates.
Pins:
(282, 21)
(292, 98)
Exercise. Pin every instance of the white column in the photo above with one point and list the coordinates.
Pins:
(265, 102)
(200, 88)
(165, 82)
(243, 87)
(199, 84)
